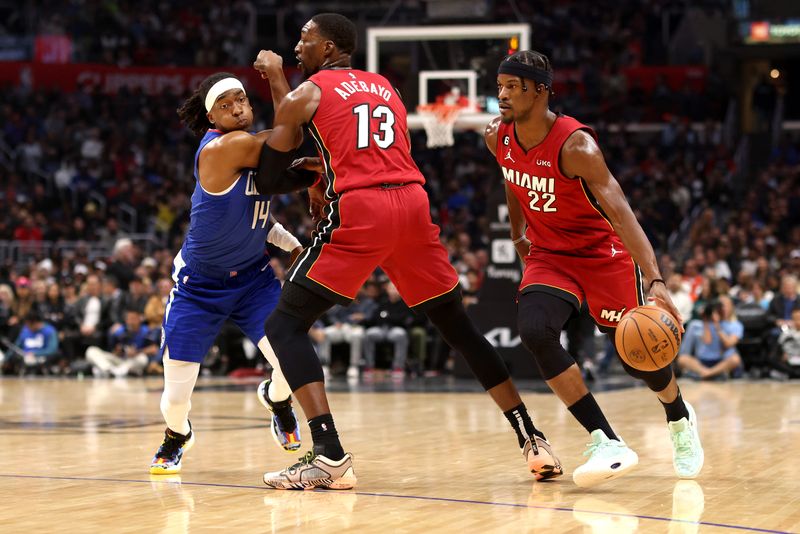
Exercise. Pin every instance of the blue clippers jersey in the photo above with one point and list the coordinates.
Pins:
(227, 230)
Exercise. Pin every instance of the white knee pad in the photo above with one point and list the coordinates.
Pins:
(179, 381)
(279, 389)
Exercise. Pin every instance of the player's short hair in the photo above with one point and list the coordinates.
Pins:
(338, 29)
(534, 59)
(531, 58)
(193, 111)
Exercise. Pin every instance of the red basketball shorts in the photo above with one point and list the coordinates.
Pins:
(388, 227)
(606, 278)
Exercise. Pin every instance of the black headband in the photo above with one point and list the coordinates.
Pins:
(526, 71)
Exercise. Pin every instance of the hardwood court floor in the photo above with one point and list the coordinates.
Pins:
(74, 457)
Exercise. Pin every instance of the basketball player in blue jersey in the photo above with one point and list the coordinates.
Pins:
(222, 270)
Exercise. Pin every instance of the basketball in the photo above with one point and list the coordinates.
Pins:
(648, 338)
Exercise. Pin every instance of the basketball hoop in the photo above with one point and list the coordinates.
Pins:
(439, 120)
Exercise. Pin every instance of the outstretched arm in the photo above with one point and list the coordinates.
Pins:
(582, 158)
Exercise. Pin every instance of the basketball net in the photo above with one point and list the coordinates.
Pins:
(439, 119)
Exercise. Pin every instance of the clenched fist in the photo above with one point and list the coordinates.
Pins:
(267, 62)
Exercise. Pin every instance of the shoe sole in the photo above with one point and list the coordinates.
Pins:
(272, 430)
(345, 482)
(690, 476)
(544, 466)
(156, 469)
(547, 472)
(589, 479)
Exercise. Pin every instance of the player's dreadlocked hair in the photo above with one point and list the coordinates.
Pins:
(534, 59)
(338, 29)
(193, 112)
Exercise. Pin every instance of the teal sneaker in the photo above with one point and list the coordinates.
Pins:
(687, 452)
(608, 458)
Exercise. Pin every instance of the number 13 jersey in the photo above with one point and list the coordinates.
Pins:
(561, 213)
(360, 131)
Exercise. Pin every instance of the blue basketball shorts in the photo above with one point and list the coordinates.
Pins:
(198, 305)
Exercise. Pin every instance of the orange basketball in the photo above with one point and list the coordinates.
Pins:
(648, 338)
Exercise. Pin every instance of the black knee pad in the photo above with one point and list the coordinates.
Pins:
(540, 319)
(288, 336)
(302, 303)
(460, 333)
(655, 380)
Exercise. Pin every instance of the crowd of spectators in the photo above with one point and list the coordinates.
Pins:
(94, 194)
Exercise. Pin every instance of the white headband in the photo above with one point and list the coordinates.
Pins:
(225, 84)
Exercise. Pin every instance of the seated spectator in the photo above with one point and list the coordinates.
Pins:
(789, 344)
(6, 308)
(709, 343)
(133, 346)
(390, 323)
(786, 302)
(88, 312)
(157, 303)
(680, 296)
(37, 341)
(347, 326)
(22, 304)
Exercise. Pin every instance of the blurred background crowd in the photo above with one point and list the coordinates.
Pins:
(95, 187)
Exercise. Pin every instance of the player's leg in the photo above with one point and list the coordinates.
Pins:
(261, 295)
(615, 285)
(541, 316)
(435, 291)
(287, 328)
(179, 380)
(687, 450)
(191, 322)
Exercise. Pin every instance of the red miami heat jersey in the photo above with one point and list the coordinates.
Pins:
(562, 214)
(360, 131)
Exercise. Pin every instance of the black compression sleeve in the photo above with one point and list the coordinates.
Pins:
(275, 178)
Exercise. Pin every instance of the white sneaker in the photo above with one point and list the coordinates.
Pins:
(608, 458)
(314, 471)
(352, 372)
(687, 451)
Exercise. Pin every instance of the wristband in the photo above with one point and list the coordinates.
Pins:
(282, 238)
(519, 239)
(657, 280)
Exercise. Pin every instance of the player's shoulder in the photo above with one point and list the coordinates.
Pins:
(490, 132)
(492, 127)
(581, 143)
(229, 141)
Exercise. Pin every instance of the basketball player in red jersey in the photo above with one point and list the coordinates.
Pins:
(582, 243)
(378, 215)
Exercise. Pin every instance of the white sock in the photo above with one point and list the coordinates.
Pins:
(279, 389)
(179, 380)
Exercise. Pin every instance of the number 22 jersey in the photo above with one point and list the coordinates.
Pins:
(561, 213)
